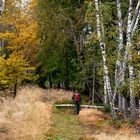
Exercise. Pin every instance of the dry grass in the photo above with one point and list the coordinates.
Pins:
(104, 136)
(105, 131)
(118, 136)
(58, 95)
(94, 116)
(27, 117)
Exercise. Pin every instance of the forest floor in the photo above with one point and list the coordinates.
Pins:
(32, 116)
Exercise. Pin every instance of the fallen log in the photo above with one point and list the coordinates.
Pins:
(83, 106)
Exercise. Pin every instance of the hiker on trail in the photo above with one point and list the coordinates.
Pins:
(76, 99)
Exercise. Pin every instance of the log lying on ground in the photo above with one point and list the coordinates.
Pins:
(83, 106)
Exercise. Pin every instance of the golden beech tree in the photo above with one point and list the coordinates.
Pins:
(18, 31)
(21, 31)
(13, 71)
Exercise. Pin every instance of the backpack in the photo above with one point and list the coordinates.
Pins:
(77, 97)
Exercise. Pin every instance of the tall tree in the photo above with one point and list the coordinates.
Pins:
(60, 31)
(132, 21)
(20, 40)
(103, 50)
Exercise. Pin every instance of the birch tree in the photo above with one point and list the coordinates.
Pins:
(120, 49)
(2, 4)
(103, 51)
(131, 27)
(2, 42)
(132, 21)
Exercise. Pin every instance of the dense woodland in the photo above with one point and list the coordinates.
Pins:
(92, 46)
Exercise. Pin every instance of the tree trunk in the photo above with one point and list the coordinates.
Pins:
(131, 26)
(136, 16)
(120, 102)
(103, 50)
(132, 96)
(103, 37)
(128, 34)
(131, 69)
(124, 107)
(105, 93)
(66, 83)
(2, 7)
(93, 85)
(118, 79)
(93, 75)
(15, 90)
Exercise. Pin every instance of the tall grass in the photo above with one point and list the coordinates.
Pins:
(104, 130)
(105, 136)
(28, 116)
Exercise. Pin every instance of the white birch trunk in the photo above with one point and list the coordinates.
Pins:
(128, 44)
(130, 30)
(103, 50)
(135, 19)
(120, 102)
(119, 80)
(131, 27)
(129, 56)
(2, 5)
(103, 36)
(132, 96)
(120, 25)
(105, 93)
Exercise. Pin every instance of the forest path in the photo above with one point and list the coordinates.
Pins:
(66, 126)
(90, 124)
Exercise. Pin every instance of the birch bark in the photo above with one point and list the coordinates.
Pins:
(124, 106)
(2, 5)
(131, 27)
(105, 93)
(103, 36)
(135, 19)
(118, 79)
(103, 50)
(131, 69)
